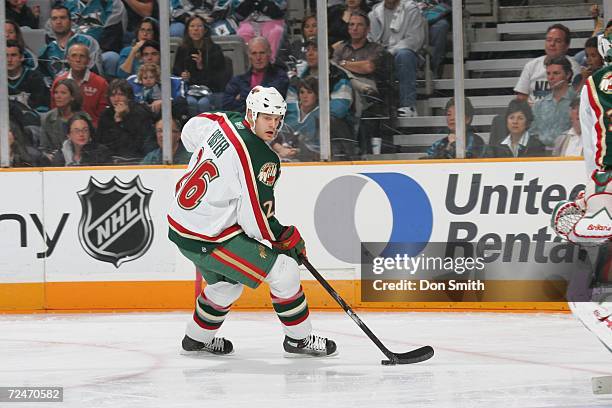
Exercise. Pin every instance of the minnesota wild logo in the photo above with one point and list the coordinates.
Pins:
(267, 174)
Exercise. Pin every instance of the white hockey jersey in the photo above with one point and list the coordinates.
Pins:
(229, 184)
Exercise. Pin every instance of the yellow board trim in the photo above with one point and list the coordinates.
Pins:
(302, 164)
(179, 295)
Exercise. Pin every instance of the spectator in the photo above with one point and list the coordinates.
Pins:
(19, 12)
(199, 61)
(341, 98)
(105, 21)
(445, 148)
(93, 86)
(520, 141)
(301, 125)
(262, 72)
(25, 85)
(126, 127)
(437, 14)
(399, 26)
(216, 15)
(532, 84)
(149, 91)
(569, 143)
(361, 58)
(12, 31)
(146, 86)
(552, 112)
(79, 148)
(62, 37)
(68, 100)
(130, 57)
(21, 154)
(598, 28)
(364, 63)
(181, 10)
(295, 56)
(338, 20)
(179, 154)
(136, 11)
(341, 91)
(264, 18)
(594, 61)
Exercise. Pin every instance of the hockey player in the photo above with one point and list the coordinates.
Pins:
(588, 220)
(223, 214)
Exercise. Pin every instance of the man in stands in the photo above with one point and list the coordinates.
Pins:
(52, 57)
(262, 72)
(552, 113)
(92, 85)
(359, 56)
(533, 84)
(105, 21)
(24, 84)
(364, 61)
(399, 26)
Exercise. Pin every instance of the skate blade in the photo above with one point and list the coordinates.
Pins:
(301, 356)
(602, 385)
(203, 353)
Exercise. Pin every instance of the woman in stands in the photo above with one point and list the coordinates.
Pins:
(126, 127)
(79, 149)
(295, 56)
(445, 148)
(199, 61)
(519, 142)
(129, 58)
(68, 101)
(12, 31)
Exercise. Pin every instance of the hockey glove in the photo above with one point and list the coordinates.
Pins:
(291, 244)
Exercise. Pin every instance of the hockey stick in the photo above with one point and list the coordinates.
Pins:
(410, 357)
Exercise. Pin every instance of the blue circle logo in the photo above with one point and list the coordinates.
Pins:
(410, 207)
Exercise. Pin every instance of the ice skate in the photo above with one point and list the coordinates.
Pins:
(218, 345)
(313, 345)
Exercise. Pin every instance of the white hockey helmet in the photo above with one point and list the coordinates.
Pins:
(265, 100)
(604, 45)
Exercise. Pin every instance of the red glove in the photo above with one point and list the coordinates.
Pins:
(291, 244)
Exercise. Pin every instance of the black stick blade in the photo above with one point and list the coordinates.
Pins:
(415, 356)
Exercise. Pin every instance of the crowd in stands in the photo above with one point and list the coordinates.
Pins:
(92, 94)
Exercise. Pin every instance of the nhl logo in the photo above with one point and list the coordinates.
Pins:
(115, 225)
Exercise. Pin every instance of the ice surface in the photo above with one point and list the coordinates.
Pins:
(483, 360)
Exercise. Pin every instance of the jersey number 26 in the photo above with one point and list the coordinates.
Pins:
(193, 185)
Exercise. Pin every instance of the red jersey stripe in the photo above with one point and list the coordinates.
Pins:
(600, 132)
(225, 234)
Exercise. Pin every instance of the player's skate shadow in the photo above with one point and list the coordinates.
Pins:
(294, 370)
